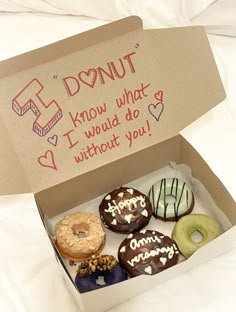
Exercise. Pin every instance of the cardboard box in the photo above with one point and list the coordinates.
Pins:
(99, 110)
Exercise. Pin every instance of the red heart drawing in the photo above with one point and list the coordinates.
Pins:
(47, 160)
(53, 140)
(89, 77)
(156, 110)
(159, 96)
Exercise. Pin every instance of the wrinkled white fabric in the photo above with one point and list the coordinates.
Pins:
(161, 10)
(219, 18)
(212, 134)
(29, 274)
(38, 30)
(30, 279)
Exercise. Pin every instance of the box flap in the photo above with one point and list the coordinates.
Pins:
(70, 45)
(187, 71)
(69, 113)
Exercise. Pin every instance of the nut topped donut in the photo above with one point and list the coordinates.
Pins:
(79, 236)
(125, 210)
(171, 199)
(97, 272)
(147, 252)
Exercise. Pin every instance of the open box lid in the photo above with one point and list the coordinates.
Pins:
(96, 97)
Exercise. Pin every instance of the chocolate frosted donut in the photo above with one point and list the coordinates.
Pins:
(125, 210)
(147, 252)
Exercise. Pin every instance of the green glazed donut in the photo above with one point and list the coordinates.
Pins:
(184, 228)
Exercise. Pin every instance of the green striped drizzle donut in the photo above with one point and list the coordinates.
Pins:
(182, 199)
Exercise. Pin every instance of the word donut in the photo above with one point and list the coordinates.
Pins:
(187, 225)
(171, 199)
(79, 236)
(125, 210)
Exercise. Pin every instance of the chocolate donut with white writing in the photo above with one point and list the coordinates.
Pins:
(147, 252)
(125, 210)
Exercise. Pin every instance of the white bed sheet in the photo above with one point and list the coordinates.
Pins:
(29, 276)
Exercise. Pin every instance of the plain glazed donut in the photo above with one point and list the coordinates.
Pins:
(180, 193)
(184, 228)
(74, 247)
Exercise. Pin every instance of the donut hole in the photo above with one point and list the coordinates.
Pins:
(197, 236)
(81, 235)
(170, 199)
(100, 280)
(80, 230)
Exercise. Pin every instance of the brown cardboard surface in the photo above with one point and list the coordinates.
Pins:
(76, 112)
(79, 190)
(122, 172)
(69, 45)
(136, 90)
(202, 172)
(118, 293)
(190, 69)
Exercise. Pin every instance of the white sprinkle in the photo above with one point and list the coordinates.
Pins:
(152, 253)
(143, 231)
(177, 252)
(130, 236)
(148, 270)
(153, 232)
(131, 191)
(108, 197)
(163, 260)
(123, 249)
(128, 218)
(121, 194)
(114, 222)
(162, 236)
(144, 213)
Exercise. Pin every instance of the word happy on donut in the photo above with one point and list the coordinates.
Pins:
(117, 207)
(125, 210)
